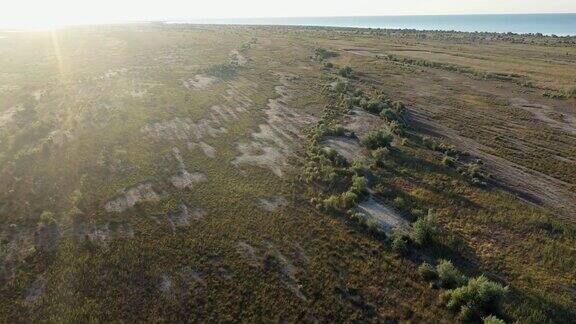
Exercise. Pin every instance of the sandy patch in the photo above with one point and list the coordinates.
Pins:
(132, 196)
(199, 82)
(272, 203)
(257, 154)
(208, 150)
(184, 216)
(349, 148)
(38, 94)
(362, 122)
(101, 234)
(276, 139)
(185, 179)
(6, 116)
(184, 129)
(390, 220)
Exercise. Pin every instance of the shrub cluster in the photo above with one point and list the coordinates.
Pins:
(321, 54)
(377, 139)
(477, 298)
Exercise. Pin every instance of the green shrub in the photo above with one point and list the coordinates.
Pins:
(332, 203)
(388, 115)
(377, 139)
(374, 106)
(348, 200)
(322, 54)
(427, 271)
(340, 87)
(424, 229)
(346, 72)
(380, 153)
(479, 297)
(399, 243)
(359, 185)
(492, 320)
(448, 275)
(396, 128)
(448, 161)
(373, 226)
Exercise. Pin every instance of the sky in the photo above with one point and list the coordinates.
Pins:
(48, 13)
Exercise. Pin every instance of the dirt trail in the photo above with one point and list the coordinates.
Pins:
(528, 184)
(543, 113)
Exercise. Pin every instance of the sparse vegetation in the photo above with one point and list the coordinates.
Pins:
(338, 147)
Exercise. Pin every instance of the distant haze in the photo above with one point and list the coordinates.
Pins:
(47, 13)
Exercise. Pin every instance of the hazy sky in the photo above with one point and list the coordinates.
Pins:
(41, 13)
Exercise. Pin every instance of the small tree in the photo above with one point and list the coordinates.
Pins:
(448, 275)
(424, 229)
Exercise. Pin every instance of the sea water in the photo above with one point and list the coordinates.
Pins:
(547, 24)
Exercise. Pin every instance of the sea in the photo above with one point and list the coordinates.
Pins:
(559, 24)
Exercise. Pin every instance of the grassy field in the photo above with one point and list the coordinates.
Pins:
(185, 173)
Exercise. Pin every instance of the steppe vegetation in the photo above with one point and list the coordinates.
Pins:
(226, 173)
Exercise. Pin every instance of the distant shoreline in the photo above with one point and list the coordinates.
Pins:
(559, 24)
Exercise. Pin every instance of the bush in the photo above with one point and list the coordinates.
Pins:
(424, 229)
(332, 203)
(388, 115)
(396, 128)
(377, 140)
(374, 106)
(340, 87)
(322, 54)
(448, 161)
(346, 72)
(380, 153)
(427, 271)
(449, 276)
(479, 297)
(399, 107)
(373, 226)
(492, 320)
(399, 243)
(359, 185)
(348, 200)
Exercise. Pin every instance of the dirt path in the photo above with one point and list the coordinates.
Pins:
(528, 184)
